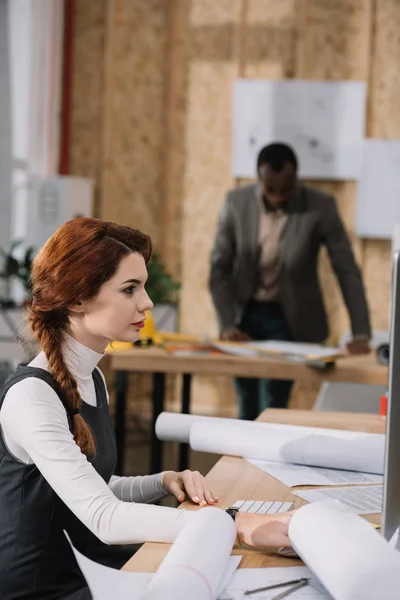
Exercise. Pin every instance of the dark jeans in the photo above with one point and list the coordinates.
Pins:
(262, 321)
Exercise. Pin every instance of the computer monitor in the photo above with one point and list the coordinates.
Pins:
(391, 482)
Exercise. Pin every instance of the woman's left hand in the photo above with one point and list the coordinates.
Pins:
(189, 483)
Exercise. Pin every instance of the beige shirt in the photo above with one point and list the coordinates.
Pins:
(271, 224)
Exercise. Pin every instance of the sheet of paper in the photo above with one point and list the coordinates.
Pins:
(306, 351)
(106, 583)
(302, 445)
(379, 178)
(323, 121)
(362, 500)
(349, 557)
(249, 579)
(293, 350)
(194, 567)
(292, 475)
(236, 349)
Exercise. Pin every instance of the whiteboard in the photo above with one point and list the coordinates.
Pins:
(324, 122)
(378, 193)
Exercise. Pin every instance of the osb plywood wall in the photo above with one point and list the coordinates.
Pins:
(152, 122)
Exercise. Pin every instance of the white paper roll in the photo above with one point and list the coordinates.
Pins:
(195, 565)
(349, 450)
(347, 555)
(365, 454)
(175, 427)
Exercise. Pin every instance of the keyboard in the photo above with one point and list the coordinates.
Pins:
(361, 499)
(260, 507)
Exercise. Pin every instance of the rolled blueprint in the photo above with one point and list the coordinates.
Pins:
(175, 427)
(195, 565)
(364, 454)
(349, 450)
(349, 557)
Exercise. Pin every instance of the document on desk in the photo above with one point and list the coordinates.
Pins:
(362, 500)
(275, 348)
(310, 446)
(348, 556)
(292, 475)
(249, 579)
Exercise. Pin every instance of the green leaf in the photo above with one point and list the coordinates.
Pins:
(160, 286)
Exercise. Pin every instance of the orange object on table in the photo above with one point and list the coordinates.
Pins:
(383, 406)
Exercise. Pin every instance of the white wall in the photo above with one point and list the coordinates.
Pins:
(35, 54)
(5, 128)
(20, 40)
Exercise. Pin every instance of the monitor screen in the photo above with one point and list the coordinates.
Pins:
(391, 486)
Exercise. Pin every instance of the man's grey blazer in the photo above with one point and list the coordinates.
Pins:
(313, 221)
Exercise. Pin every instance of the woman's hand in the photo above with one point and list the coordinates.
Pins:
(264, 530)
(191, 484)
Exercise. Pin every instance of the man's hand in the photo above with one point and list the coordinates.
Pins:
(189, 483)
(234, 334)
(358, 346)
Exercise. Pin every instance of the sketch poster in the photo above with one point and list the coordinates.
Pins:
(323, 121)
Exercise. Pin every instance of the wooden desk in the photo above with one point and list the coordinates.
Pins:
(358, 369)
(236, 479)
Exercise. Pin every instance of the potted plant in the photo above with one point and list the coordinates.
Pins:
(15, 268)
(163, 291)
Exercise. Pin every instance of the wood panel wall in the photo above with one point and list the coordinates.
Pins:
(152, 123)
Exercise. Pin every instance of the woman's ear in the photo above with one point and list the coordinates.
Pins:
(76, 308)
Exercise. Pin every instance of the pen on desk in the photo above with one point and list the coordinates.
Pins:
(294, 588)
(274, 586)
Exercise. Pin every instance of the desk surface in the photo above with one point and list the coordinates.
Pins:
(236, 479)
(355, 369)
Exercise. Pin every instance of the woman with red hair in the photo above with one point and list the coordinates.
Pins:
(57, 446)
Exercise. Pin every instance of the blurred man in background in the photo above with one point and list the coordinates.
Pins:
(264, 279)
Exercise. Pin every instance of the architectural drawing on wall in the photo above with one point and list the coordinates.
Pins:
(54, 200)
(378, 191)
(323, 121)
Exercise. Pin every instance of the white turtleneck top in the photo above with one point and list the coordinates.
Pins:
(34, 426)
